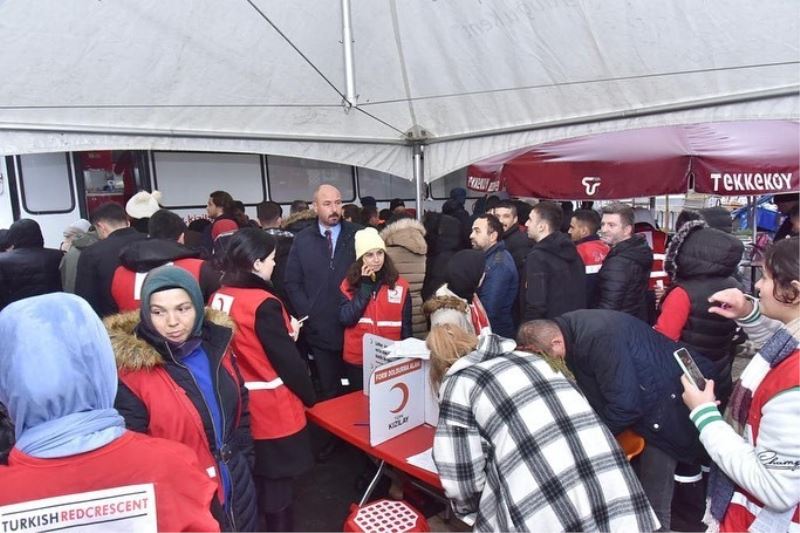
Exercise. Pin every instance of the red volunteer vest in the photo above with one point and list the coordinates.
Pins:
(275, 411)
(593, 253)
(173, 416)
(742, 511)
(383, 316)
(478, 315)
(658, 243)
(182, 492)
(126, 285)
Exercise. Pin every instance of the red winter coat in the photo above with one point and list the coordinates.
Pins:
(183, 492)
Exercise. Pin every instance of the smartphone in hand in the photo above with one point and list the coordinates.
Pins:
(689, 367)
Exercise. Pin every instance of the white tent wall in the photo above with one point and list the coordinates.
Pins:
(478, 77)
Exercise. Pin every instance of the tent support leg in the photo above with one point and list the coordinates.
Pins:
(419, 179)
(349, 62)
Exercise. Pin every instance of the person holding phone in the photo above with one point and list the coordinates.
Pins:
(275, 374)
(701, 261)
(375, 299)
(756, 480)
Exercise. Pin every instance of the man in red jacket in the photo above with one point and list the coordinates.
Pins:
(583, 227)
(58, 380)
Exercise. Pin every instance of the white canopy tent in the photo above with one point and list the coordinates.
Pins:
(466, 79)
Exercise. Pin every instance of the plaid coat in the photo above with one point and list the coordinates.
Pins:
(517, 444)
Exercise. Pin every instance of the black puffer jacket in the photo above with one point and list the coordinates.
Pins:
(444, 239)
(555, 278)
(622, 280)
(135, 351)
(628, 374)
(702, 261)
(29, 269)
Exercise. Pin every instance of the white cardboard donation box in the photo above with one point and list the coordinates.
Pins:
(400, 395)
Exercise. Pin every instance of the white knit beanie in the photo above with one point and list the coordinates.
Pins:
(368, 239)
(143, 204)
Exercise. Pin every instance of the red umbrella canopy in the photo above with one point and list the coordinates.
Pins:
(746, 158)
(734, 158)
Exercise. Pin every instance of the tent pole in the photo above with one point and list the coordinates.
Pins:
(419, 179)
(349, 63)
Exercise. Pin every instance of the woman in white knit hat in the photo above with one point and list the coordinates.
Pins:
(375, 300)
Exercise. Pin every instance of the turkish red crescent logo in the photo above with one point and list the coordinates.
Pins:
(404, 389)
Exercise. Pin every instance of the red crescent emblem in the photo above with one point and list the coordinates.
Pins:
(404, 389)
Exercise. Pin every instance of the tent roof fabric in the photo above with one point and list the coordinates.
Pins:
(471, 78)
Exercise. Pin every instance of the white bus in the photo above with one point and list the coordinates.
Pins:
(55, 189)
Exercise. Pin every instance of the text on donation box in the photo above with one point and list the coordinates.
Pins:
(123, 509)
(396, 400)
(377, 351)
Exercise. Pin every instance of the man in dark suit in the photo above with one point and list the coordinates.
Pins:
(317, 264)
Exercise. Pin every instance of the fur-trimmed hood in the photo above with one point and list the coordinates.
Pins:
(698, 250)
(444, 302)
(134, 353)
(408, 233)
(300, 220)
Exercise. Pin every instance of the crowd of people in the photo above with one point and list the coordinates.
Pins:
(551, 331)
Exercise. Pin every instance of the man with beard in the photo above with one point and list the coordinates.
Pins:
(623, 278)
(317, 264)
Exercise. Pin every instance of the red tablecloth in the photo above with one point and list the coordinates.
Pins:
(347, 417)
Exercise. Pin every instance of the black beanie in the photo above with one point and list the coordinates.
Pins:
(464, 272)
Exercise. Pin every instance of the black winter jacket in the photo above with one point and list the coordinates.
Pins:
(26, 272)
(29, 269)
(96, 266)
(145, 255)
(705, 260)
(623, 278)
(135, 350)
(312, 282)
(555, 279)
(518, 245)
(444, 240)
(629, 376)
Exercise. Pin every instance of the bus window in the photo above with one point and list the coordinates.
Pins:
(185, 179)
(46, 183)
(383, 186)
(293, 179)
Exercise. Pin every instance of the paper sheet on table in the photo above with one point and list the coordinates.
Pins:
(424, 460)
(410, 347)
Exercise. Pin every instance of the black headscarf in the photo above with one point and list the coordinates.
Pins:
(464, 271)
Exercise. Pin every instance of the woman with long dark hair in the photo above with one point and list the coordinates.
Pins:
(274, 372)
(375, 299)
(179, 381)
(755, 445)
